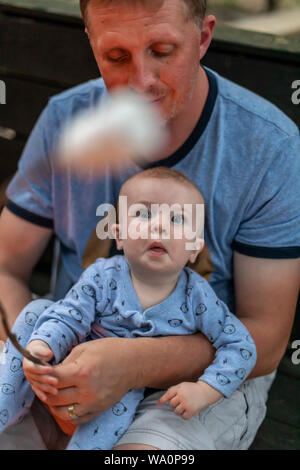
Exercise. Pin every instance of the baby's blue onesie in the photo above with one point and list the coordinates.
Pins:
(104, 303)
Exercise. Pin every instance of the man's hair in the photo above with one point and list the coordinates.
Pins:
(165, 173)
(196, 8)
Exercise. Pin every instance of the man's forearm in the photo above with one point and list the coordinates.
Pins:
(166, 361)
(266, 293)
(14, 295)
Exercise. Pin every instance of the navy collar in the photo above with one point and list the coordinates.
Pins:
(198, 130)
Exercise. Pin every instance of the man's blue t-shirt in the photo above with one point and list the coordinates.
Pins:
(244, 155)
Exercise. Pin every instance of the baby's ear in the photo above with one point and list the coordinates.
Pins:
(198, 247)
(115, 229)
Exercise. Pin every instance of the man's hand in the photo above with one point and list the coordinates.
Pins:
(94, 377)
(39, 376)
(189, 398)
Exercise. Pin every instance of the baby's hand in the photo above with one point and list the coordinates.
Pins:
(39, 376)
(40, 349)
(189, 398)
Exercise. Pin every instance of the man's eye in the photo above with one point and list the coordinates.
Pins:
(159, 54)
(177, 219)
(163, 50)
(156, 53)
(117, 59)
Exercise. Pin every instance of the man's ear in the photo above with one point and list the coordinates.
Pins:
(115, 229)
(199, 245)
(208, 25)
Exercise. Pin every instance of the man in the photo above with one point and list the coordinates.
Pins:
(241, 152)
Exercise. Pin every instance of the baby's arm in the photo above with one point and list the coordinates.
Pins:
(190, 398)
(235, 349)
(235, 354)
(65, 324)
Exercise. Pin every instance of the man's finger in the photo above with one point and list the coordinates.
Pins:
(41, 395)
(42, 379)
(62, 412)
(66, 374)
(36, 369)
(65, 397)
(44, 388)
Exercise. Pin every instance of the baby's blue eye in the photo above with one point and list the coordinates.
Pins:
(144, 214)
(177, 219)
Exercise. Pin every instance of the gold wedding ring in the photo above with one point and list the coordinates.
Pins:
(71, 412)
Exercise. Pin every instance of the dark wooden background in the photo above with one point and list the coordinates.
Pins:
(44, 50)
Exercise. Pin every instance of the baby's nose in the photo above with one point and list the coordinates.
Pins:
(158, 223)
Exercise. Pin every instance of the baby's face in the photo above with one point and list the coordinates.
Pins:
(161, 224)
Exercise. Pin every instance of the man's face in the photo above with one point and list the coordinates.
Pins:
(158, 225)
(152, 51)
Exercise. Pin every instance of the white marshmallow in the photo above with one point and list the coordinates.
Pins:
(124, 126)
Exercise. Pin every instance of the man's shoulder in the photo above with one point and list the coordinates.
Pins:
(80, 96)
(249, 107)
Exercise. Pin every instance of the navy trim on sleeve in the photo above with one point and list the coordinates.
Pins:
(29, 216)
(286, 252)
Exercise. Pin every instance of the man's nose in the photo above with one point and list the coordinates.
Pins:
(143, 75)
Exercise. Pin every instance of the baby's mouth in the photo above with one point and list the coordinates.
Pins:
(157, 248)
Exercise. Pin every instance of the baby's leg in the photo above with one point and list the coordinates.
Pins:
(104, 431)
(16, 395)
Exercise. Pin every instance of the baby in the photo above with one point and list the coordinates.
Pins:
(147, 292)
